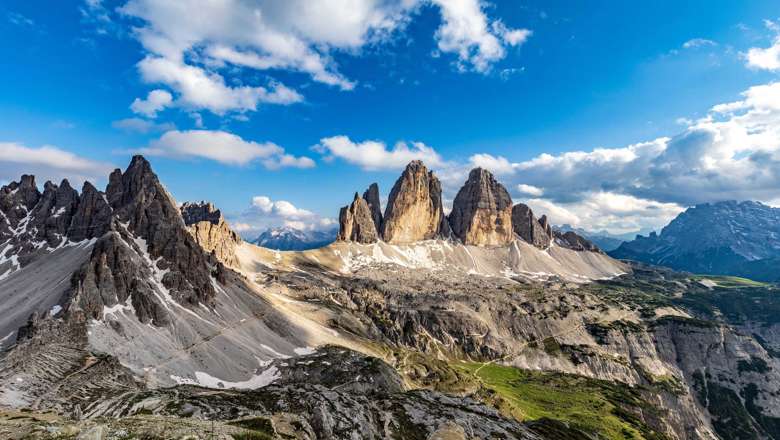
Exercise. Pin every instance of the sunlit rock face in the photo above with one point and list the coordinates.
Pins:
(414, 208)
(482, 211)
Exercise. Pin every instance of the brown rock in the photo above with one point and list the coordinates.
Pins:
(575, 242)
(414, 209)
(482, 211)
(371, 196)
(356, 223)
(527, 227)
(210, 230)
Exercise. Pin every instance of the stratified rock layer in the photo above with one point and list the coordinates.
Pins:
(527, 227)
(356, 223)
(482, 211)
(414, 208)
(210, 230)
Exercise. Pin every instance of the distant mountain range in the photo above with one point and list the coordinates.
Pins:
(729, 238)
(291, 239)
(603, 239)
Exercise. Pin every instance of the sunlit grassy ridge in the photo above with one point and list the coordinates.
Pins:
(727, 281)
(603, 409)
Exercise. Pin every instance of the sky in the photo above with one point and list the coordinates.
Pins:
(604, 115)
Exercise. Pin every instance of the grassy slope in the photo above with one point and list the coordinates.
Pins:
(589, 405)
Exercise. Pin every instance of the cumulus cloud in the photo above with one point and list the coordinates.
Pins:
(529, 190)
(766, 58)
(200, 89)
(732, 153)
(154, 102)
(199, 49)
(264, 213)
(374, 155)
(616, 213)
(494, 164)
(467, 32)
(192, 52)
(138, 125)
(223, 147)
(48, 163)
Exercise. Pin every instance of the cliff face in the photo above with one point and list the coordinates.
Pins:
(371, 196)
(414, 208)
(527, 227)
(356, 222)
(210, 230)
(482, 211)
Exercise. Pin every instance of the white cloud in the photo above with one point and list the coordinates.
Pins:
(281, 208)
(156, 101)
(615, 213)
(143, 126)
(200, 89)
(223, 147)
(200, 49)
(766, 58)
(264, 213)
(48, 163)
(191, 44)
(529, 190)
(467, 32)
(374, 155)
(19, 19)
(494, 164)
(698, 42)
(732, 153)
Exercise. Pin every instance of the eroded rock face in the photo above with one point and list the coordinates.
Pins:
(92, 216)
(356, 222)
(482, 211)
(414, 209)
(371, 196)
(210, 230)
(575, 242)
(527, 227)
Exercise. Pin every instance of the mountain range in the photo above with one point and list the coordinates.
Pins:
(125, 314)
(605, 240)
(286, 238)
(727, 238)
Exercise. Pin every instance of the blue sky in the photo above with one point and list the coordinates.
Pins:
(598, 113)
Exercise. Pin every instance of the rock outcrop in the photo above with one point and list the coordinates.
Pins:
(572, 241)
(356, 222)
(414, 209)
(482, 211)
(210, 230)
(148, 258)
(527, 227)
(371, 196)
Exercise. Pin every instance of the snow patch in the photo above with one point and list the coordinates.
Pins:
(206, 380)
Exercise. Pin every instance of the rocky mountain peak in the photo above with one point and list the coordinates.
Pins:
(482, 211)
(527, 227)
(149, 249)
(371, 196)
(414, 209)
(210, 230)
(200, 212)
(356, 222)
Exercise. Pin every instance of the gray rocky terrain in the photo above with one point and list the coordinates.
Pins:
(159, 313)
